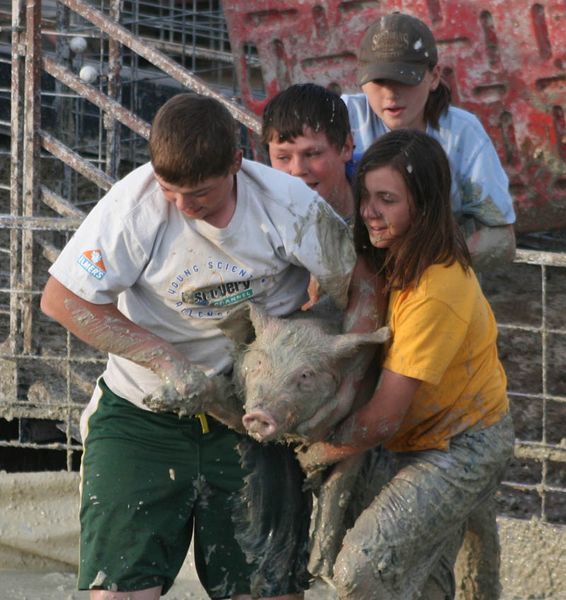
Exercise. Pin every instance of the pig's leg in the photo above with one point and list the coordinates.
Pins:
(220, 401)
(226, 407)
(329, 525)
(350, 489)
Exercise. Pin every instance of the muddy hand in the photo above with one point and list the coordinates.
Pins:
(228, 407)
(185, 394)
(315, 471)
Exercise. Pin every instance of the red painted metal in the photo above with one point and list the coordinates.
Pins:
(505, 60)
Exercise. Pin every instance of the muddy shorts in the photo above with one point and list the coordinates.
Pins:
(404, 544)
(148, 482)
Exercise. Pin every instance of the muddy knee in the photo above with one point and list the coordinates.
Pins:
(359, 572)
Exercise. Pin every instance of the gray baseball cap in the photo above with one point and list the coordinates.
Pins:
(397, 47)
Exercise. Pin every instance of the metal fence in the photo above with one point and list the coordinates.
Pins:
(529, 300)
(85, 81)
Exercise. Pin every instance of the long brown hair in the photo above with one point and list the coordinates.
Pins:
(433, 236)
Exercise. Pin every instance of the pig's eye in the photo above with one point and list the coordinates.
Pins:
(306, 381)
(255, 367)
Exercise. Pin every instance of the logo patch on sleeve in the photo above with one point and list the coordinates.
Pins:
(91, 261)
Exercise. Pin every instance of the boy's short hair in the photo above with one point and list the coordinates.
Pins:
(192, 138)
(305, 105)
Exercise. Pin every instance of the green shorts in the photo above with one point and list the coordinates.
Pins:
(149, 481)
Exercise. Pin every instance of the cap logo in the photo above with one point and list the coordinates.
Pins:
(391, 43)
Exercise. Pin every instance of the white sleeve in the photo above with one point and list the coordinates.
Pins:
(480, 186)
(103, 257)
(485, 190)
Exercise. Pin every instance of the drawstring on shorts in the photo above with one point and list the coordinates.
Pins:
(203, 422)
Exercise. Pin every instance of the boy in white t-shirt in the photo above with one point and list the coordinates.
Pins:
(171, 249)
(402, 87)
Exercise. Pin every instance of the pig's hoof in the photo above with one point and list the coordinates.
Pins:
(384, 334)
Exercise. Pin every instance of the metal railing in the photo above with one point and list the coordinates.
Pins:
(55, 177)
(529, 300)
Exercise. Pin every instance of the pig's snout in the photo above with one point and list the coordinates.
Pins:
(260, 425)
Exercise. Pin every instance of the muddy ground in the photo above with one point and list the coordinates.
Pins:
(61, 586)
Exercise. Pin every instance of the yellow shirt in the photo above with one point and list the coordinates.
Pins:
(444, 333)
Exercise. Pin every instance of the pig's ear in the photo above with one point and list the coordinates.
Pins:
(348, 344)
(260, 319)
(237, 325)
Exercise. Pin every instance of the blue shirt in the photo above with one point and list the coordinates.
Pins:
(480, 186)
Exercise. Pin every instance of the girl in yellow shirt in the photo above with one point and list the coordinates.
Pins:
(440, 406)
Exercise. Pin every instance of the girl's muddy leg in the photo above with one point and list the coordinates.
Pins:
(477, 566)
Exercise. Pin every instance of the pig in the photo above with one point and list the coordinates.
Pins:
(286, 374)
(289, 375)
(285, 377)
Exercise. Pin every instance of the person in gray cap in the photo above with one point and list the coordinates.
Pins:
(402, 87)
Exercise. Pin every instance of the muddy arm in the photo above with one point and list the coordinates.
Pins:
(490, 247)
(365, 313)
(369, 426)
(105, 328)
(366, 310)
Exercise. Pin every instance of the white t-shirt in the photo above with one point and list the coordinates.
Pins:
(177, 277)
(480, 186)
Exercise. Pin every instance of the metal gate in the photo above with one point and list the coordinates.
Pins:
(71, 134)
